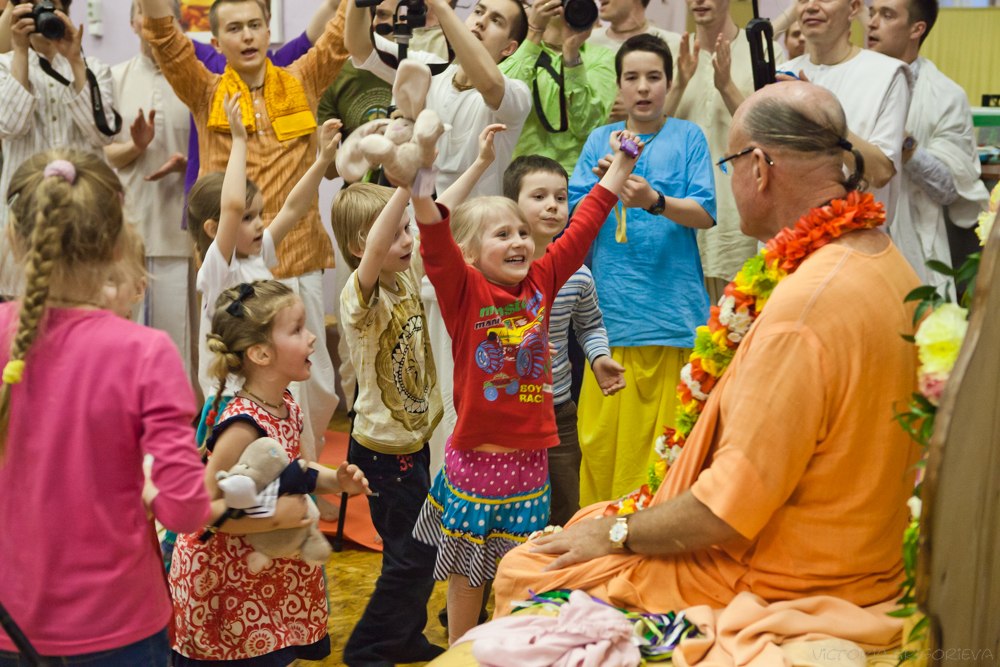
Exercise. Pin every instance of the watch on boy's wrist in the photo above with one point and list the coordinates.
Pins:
(619, 533)
(659, 206)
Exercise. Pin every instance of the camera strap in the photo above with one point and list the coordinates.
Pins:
(95, 98)
(545, 62)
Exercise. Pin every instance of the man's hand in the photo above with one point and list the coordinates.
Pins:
(176, 163)
(585, 540)
(687, 60)
(722, 61)
(234, 114)
(329, 139)
(909, 148)
(22, 25)
(143, 130)
(638, 193)
(70, 46)
(610, 375)
(540, 12)
(573, 39)
(602, 166)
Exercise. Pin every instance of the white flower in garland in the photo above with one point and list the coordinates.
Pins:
(693, 385)
(737, 321)
(667, 454)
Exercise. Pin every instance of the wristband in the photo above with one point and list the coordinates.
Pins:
(425, 181)
(576, 62)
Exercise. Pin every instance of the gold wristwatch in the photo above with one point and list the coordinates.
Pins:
(619, 533)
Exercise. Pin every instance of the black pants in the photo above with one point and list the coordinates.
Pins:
(392, 626)
(564, 466)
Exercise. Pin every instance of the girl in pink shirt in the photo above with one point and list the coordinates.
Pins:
(86, 395)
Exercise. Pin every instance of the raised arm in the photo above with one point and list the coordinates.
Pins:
(356, 32)
(155, 9)
(379, 241)
(477, 63)
(302, 196)
(317, 24)
(234, 184)
(5, 21)
(459, 191)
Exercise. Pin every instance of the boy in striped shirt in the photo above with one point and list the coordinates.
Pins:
(539, 185)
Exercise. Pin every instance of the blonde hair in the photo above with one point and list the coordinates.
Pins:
(205, 203)
(129, 272)
(68, 234)
(256, 305)
(468, 218)
(352, 215)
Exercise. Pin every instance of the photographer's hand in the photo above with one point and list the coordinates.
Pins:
(22, 25)
(539, 14)
(70, 47)
(573, 39)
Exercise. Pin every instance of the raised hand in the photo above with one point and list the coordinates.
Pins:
(143, 130)
(722, 63)
(70, 46)
(234, 114)
(487, 152)
(687, 60)
(329, 139)
(541, 12)
(21, 27)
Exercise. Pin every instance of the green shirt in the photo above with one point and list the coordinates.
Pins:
(355, 97)
(590, 90)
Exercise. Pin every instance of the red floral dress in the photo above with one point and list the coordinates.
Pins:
(221, 610)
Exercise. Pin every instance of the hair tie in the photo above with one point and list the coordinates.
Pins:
(845, 144)
(63, 168)
(13, 371)
(236, 308)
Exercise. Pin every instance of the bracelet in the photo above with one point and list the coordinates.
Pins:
(425, 181)
(534, 29)
(573, 63)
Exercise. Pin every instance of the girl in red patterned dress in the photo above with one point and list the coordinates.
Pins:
(223, 612)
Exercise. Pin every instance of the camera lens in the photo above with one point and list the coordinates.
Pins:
(579, 14)
(47, 23)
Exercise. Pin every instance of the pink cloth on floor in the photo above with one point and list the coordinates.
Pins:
(584, 634)
(749, 631)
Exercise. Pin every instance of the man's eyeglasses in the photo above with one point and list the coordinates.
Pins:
(721, 164)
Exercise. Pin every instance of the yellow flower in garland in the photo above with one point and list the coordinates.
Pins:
(940, 337)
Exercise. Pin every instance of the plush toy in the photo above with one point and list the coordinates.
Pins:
(401, 144)
(263, 472)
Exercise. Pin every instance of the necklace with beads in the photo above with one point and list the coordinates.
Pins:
(257, 399)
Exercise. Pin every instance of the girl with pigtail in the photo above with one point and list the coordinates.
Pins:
(223, 610)
(86, 396)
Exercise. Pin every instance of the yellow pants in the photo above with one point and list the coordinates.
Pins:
(617, 433)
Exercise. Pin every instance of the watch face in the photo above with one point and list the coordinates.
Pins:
(619, 532)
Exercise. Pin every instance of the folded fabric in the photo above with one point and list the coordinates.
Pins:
(749, 632)
(584, 634)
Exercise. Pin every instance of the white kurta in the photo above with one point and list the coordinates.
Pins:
(875, 92)
(941, 121)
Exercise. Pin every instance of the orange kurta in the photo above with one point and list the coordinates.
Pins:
(796, 449)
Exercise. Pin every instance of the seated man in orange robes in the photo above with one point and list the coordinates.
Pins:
(794, 481)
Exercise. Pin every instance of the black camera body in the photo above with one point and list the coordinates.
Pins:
(47, 24)
(579, 14)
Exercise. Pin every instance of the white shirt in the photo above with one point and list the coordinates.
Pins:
(156, 207)
(50, 115)
(944, 173)
(600, 37)
(875, 92)
(215, 276)
(468, 114)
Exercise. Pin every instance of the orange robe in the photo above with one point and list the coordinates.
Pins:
(796, 449)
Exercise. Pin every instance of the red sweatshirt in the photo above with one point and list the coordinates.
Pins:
(503, 373)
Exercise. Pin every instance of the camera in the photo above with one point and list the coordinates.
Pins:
(579, 14)
(47, 24)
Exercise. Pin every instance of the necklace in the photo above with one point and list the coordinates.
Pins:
(258, 399)
(715, 343)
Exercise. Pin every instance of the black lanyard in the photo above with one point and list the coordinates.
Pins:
(545, 62)
(95, 98)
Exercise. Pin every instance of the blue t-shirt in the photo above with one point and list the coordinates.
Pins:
(651, 288)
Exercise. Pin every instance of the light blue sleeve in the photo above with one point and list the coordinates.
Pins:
(700, 178)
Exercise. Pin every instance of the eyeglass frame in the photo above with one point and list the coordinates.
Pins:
(721, 164)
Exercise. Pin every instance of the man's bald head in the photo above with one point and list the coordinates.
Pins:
(797, 117)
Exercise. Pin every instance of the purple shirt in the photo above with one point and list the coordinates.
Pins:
(80, 568)
(215, 62)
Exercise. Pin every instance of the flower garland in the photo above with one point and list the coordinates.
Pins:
(715, 344)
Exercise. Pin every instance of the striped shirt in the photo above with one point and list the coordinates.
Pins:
(576, 302)
(275, 166)
(50, 115)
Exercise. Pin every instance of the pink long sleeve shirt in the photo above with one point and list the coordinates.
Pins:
(80, 569)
